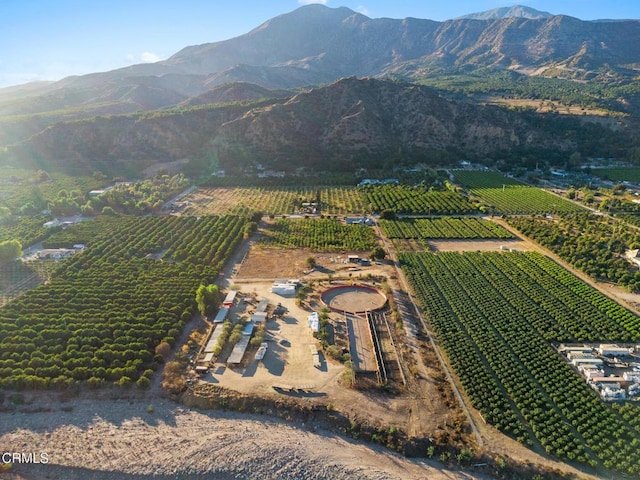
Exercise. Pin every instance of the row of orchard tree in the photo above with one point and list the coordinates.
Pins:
(105, 311)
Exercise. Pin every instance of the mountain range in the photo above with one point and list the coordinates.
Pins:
(348, 124)
(315, 46)
(518, 11)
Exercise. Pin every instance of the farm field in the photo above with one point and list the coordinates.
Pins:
(84, 232)
(622, 174)
(446, 227)
(103, 313)
(16, 278)
(419, 200)
(630, 219)
(101, 316)
(593, 244)
(21, 187)
(503, 195)
(495, 315)
(483, 179)
(320, 234)
(273, 201)
(26, 229)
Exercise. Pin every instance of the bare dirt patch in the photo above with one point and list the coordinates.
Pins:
(546, 106)
(476, 245)
(120, 439)
(353, 298)
(268, 263)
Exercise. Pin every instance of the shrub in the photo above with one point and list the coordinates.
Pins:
(143, 382)
(124, 382)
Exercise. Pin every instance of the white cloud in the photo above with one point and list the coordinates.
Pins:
(149, 57)
(362, 9)
(144, 57)
(309, 2)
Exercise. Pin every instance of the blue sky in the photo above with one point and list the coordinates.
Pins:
(51, 39)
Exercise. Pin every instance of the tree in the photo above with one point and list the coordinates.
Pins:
(143, 383)
(207, 298)
(164, 350)
(250, 228)
(311, 262)
(87, 210)
(124, 382)
(10, 250)
(388, 215)
(378, 253)
(41, 176)
(619, 188)
(574, 160)
(588, 198)
(4, 213)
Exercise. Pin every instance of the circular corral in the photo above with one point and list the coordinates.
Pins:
(353, 298)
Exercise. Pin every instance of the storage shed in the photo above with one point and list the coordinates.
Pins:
(613, 350)
(259, 318)
(262, 306)
(221, 316)
(248, 329)
(284, 290)
(230, 298)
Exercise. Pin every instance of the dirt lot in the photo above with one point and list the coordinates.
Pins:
(268, 263)
(288, 358)
(288, 362)
(353, 299)
(476, 245)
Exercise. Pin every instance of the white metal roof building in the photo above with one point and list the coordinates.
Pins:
(314, 322)
(259, 317)
(238, 351)
(283, 289)
(583, 361)
(613, 350)
(213, 340)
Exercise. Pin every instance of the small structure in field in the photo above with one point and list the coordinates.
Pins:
(314, 322)
(284, 289)
(633, 256)
(230, 298)
(259, 318)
